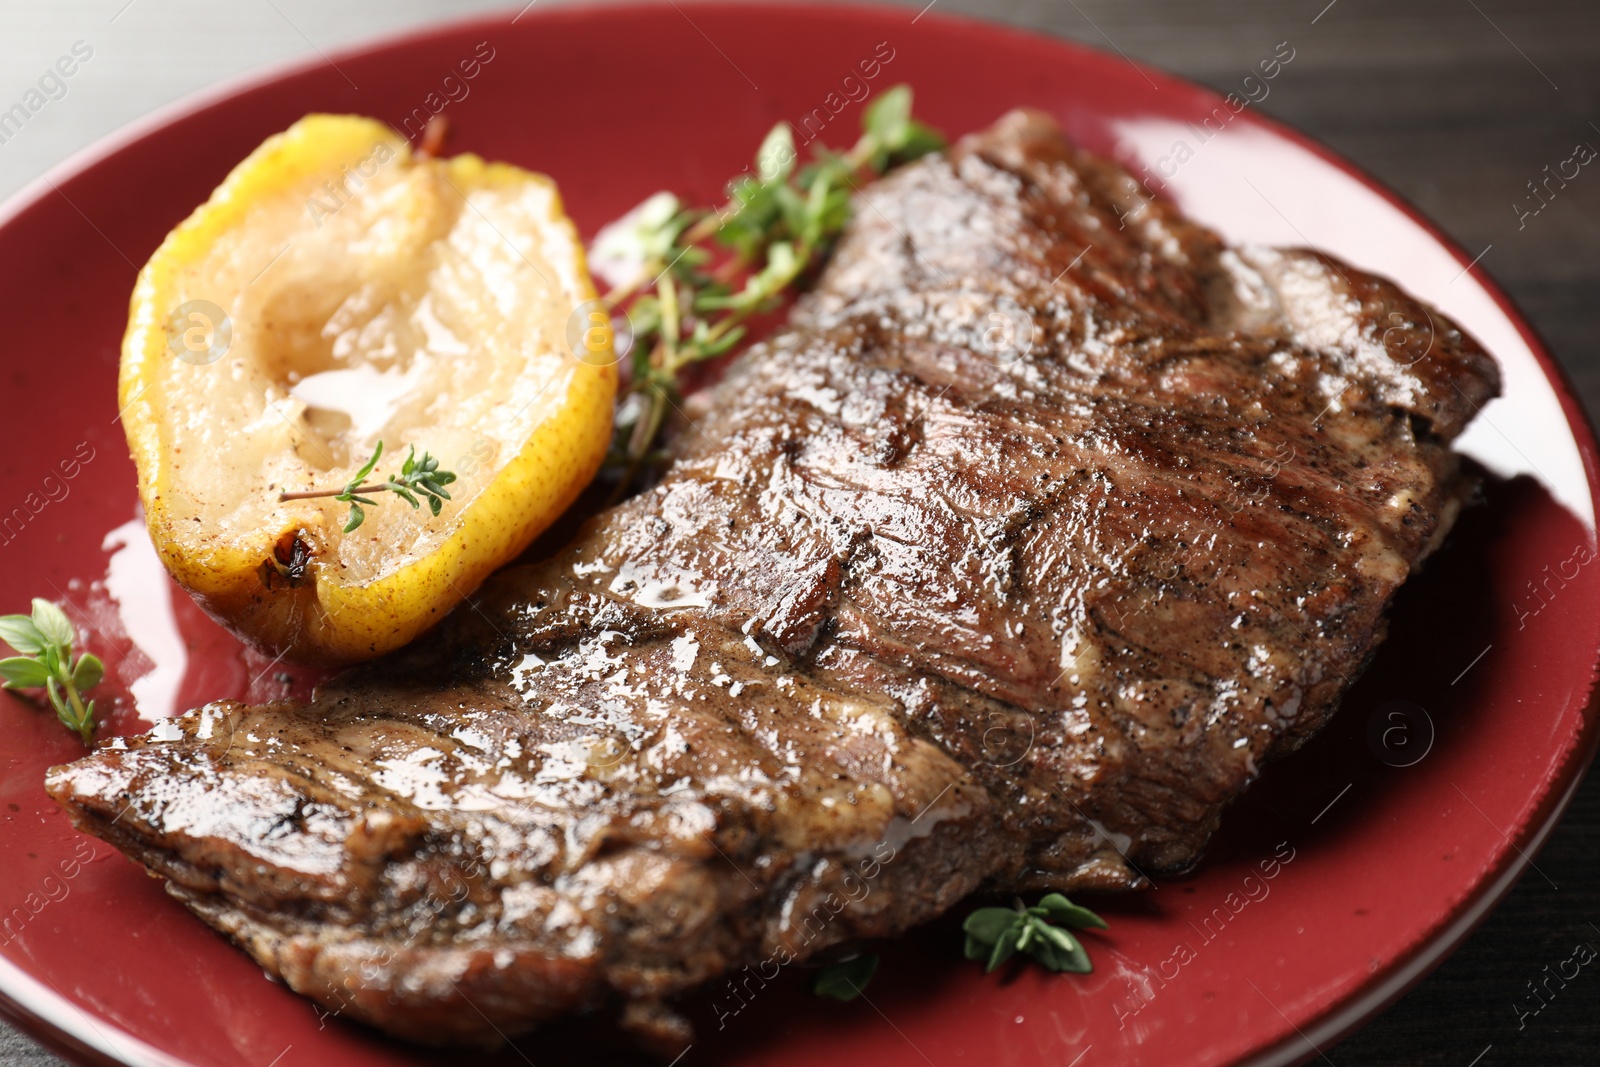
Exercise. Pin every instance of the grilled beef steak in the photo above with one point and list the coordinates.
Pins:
(1046, 524)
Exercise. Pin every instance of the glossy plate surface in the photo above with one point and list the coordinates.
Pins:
(1339, 880)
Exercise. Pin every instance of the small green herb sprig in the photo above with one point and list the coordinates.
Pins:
(44, 640)
(703, 272)
(996, 934)
(417, 477)
(846, 979)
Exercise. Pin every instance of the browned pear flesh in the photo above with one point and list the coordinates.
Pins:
(336, 293)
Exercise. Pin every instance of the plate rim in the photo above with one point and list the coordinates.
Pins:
(39, 1012)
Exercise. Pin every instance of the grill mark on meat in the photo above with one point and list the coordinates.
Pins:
(902, 621)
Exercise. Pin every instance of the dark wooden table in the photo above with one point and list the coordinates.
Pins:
(1454, 103)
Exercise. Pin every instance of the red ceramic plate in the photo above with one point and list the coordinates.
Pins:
(1341, 879)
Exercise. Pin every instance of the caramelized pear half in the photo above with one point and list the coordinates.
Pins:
(338, 290)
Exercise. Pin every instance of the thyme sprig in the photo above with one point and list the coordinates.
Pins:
(44, 641)
(996, 934)
(846, 979)
(702, 273)
(417, 477)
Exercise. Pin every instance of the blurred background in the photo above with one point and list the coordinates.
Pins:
(1456, 104)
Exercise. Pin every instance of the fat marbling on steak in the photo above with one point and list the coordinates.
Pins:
(1048, 522)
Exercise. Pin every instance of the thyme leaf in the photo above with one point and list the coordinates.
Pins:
(416, 477)
(700, 273)
(994, 935)
(44, 641)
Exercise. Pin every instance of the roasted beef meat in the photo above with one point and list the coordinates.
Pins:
(1046, 524)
